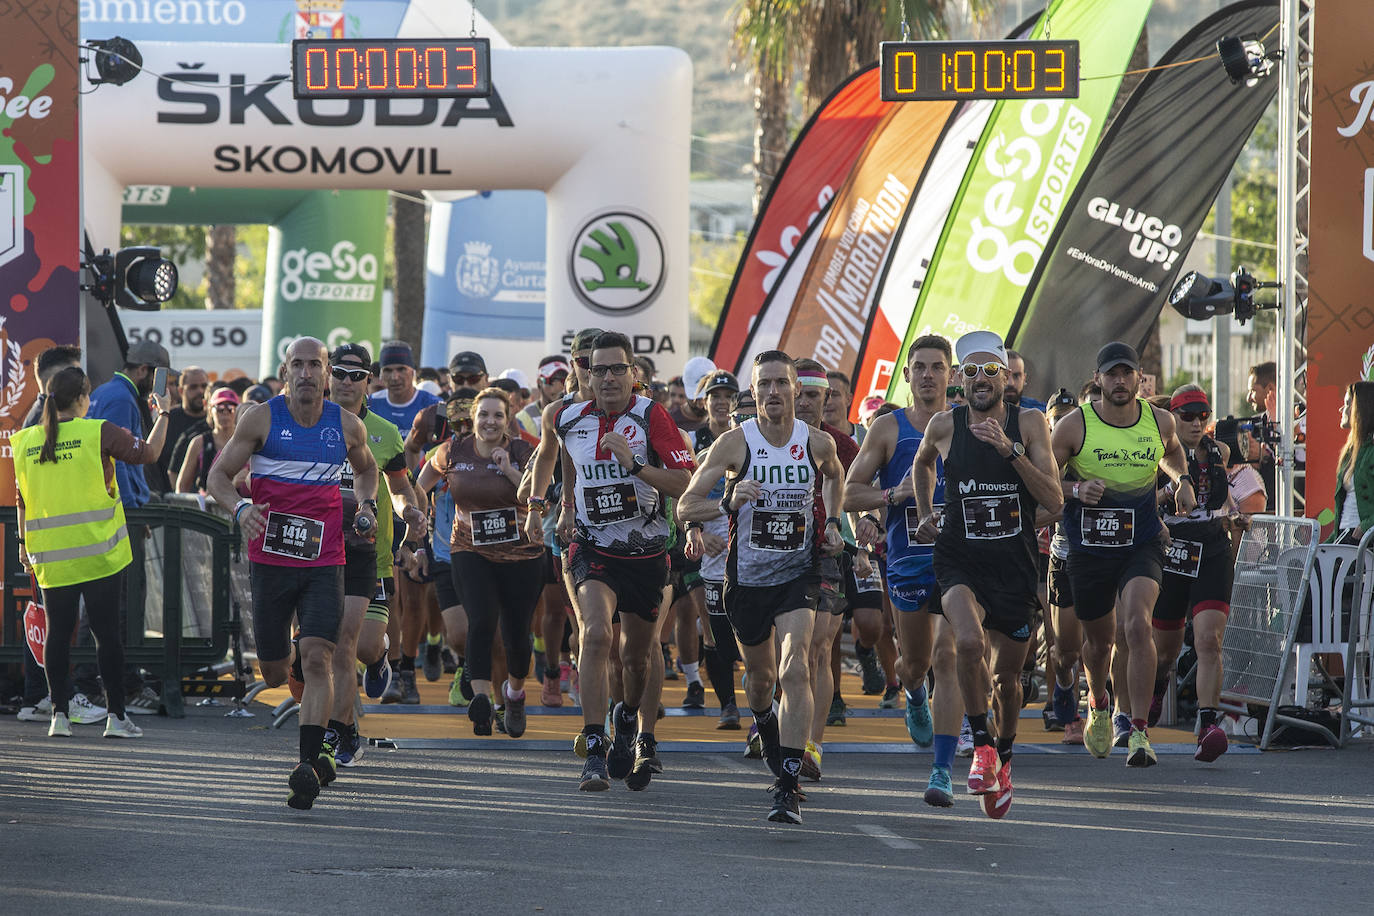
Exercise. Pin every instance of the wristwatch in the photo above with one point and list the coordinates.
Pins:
(1017, 451)
(372, 504)
(638, 466)
(1183, 477)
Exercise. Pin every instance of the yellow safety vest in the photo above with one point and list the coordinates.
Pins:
(73, 523)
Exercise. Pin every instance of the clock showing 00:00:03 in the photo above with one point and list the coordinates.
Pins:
(390, 68)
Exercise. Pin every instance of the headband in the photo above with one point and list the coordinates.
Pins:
(1184, 398)
(813, 377)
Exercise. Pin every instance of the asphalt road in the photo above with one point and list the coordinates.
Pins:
(193, 816)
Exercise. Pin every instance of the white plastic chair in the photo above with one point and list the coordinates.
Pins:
(1333, 566)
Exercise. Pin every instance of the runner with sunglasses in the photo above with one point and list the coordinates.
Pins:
(1197, 570)
(627, 458)
(1116, 448)
(998, 470)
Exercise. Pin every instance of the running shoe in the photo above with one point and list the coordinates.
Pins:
(392, 693)
(1097, 735)
(729, 718)
(1156, 710)
(122, 728)
(574, 688)
(1140, 754)
(873, 679)
(433, 665)
(646, 764)
(1073, 732)
(753, 745)
(891, 697)
(1065, 705)
(669, 669)
(331, 742)
(621, 757)
(964, 746)
(325, 770)
(350, 749)
(515, 714)
(539, 666)
(305, 787)
(550, 696)
(982, 774)
(59, 726)
(919, 724)
(811, 762)
(479, 712)
(1211, 744)
(377, 678)
(410, 694)
(1052, 723)
(143, 702)
(82, 711)
(295, 677)
(38, 712)
(450, 660)
(464, 674)
(1121, 730)
(594, 775)
(940, 790)
(564, 676)
(696, 696)
(786, 808)
(580, 745)
(455, 689)
(997, 803)
(836, 714)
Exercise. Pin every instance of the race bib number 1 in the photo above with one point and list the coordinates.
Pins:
(1107, 527)
(293, 536)
(991, 517)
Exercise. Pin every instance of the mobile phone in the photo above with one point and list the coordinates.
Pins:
(160, 382)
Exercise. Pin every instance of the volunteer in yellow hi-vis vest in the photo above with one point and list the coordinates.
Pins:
(72, 533)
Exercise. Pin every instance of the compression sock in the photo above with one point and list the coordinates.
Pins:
(338, 728)
(1004, 746)
(789, 767)
(767, 723)
(691, 670)
(597, 742)
(312, 740)
(944, 750)
(979, 726)
(918, 696)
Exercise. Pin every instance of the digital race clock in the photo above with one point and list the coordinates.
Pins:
(915, 71)
(390, 68)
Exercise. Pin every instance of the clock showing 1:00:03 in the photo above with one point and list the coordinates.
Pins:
(391, 68)
(942, 70)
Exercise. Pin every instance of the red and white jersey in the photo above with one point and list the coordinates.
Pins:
(616, 510)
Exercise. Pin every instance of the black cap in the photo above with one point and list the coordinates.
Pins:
(1117, 353)
(718, 379)
(743, 398)
(467, 362)
(508, 385)
(584, 339)
(352, 354)
(259, 394)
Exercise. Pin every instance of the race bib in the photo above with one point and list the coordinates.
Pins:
(777, 530)
(293, 536)
(713, 604)
(1107, 527)
(346, 481)
(989, 518)
(380, 595)
(1183, 558)
(873, 582)
(611, 503)
(913, 521)
(494, 526)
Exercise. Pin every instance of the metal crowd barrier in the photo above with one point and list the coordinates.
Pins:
(182, 614)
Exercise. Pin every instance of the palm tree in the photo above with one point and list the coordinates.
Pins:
(221, 243)
(408, 244)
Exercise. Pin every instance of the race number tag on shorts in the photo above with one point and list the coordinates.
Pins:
(713, 597)
(379, 596)
(612, 503)
(777, 530)
(1183, 558)
(1107, 527)
(913, 521)
(873, 582)
(494, 526)
(293, 536)
(991, 517)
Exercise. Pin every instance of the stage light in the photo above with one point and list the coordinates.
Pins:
(1244, 59)
(1199, 297)
(117, 60)
(134, 278)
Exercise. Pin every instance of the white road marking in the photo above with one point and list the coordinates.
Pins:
(885, 836)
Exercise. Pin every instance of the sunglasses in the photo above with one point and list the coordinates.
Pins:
(356, 375)
(989, 370)
(582, 362)
(739, 418)
(1188, 416)
(954, 391)
(225, 408)
(466, 380)
(616, 369)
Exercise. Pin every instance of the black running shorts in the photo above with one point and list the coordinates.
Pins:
(752, 609)
(312, 594)
(1097, 580)
(637, 581)
(1060, 590)
(360, 571)
(1008, 611)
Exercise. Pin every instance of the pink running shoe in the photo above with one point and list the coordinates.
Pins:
(982, 775)
(1211, 744)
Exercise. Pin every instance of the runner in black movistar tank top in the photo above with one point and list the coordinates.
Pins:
(922, 635)
(998, 469)
(772, 576)
(1197, 570)
(1116, 447)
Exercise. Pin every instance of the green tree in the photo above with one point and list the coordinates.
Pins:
(713, 268)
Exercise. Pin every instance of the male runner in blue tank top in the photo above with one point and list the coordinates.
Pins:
(888, 452)
(998, 469)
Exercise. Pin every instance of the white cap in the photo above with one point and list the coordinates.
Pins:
(515, 375)
(431, 386)
(697, 368)
(980, 342)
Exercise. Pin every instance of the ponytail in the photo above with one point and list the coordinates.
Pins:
(64, 389)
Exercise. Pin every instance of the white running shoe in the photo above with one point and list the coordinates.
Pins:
(83, 712)
(122, 728)
(60, 727)
(145, 702)
(39, 712)
(964, 747)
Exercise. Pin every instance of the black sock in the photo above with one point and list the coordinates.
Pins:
(312, 740)
(339, 728)
(1161, 685)
(407, 662)
(629, 714)
(768, 734)
(395, 664)
(1206, 716)
(864, 651)
(790, 759)
(1004, 748)
(596, 740)
(979, 726)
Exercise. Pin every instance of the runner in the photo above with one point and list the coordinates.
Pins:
(998, 468)
(297, 445)
(1116, 447)
(888, 452)
(627, 458)
(367, 557)
(1198, 570)
(772, 578)
(1068, 635)
(496, 569)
